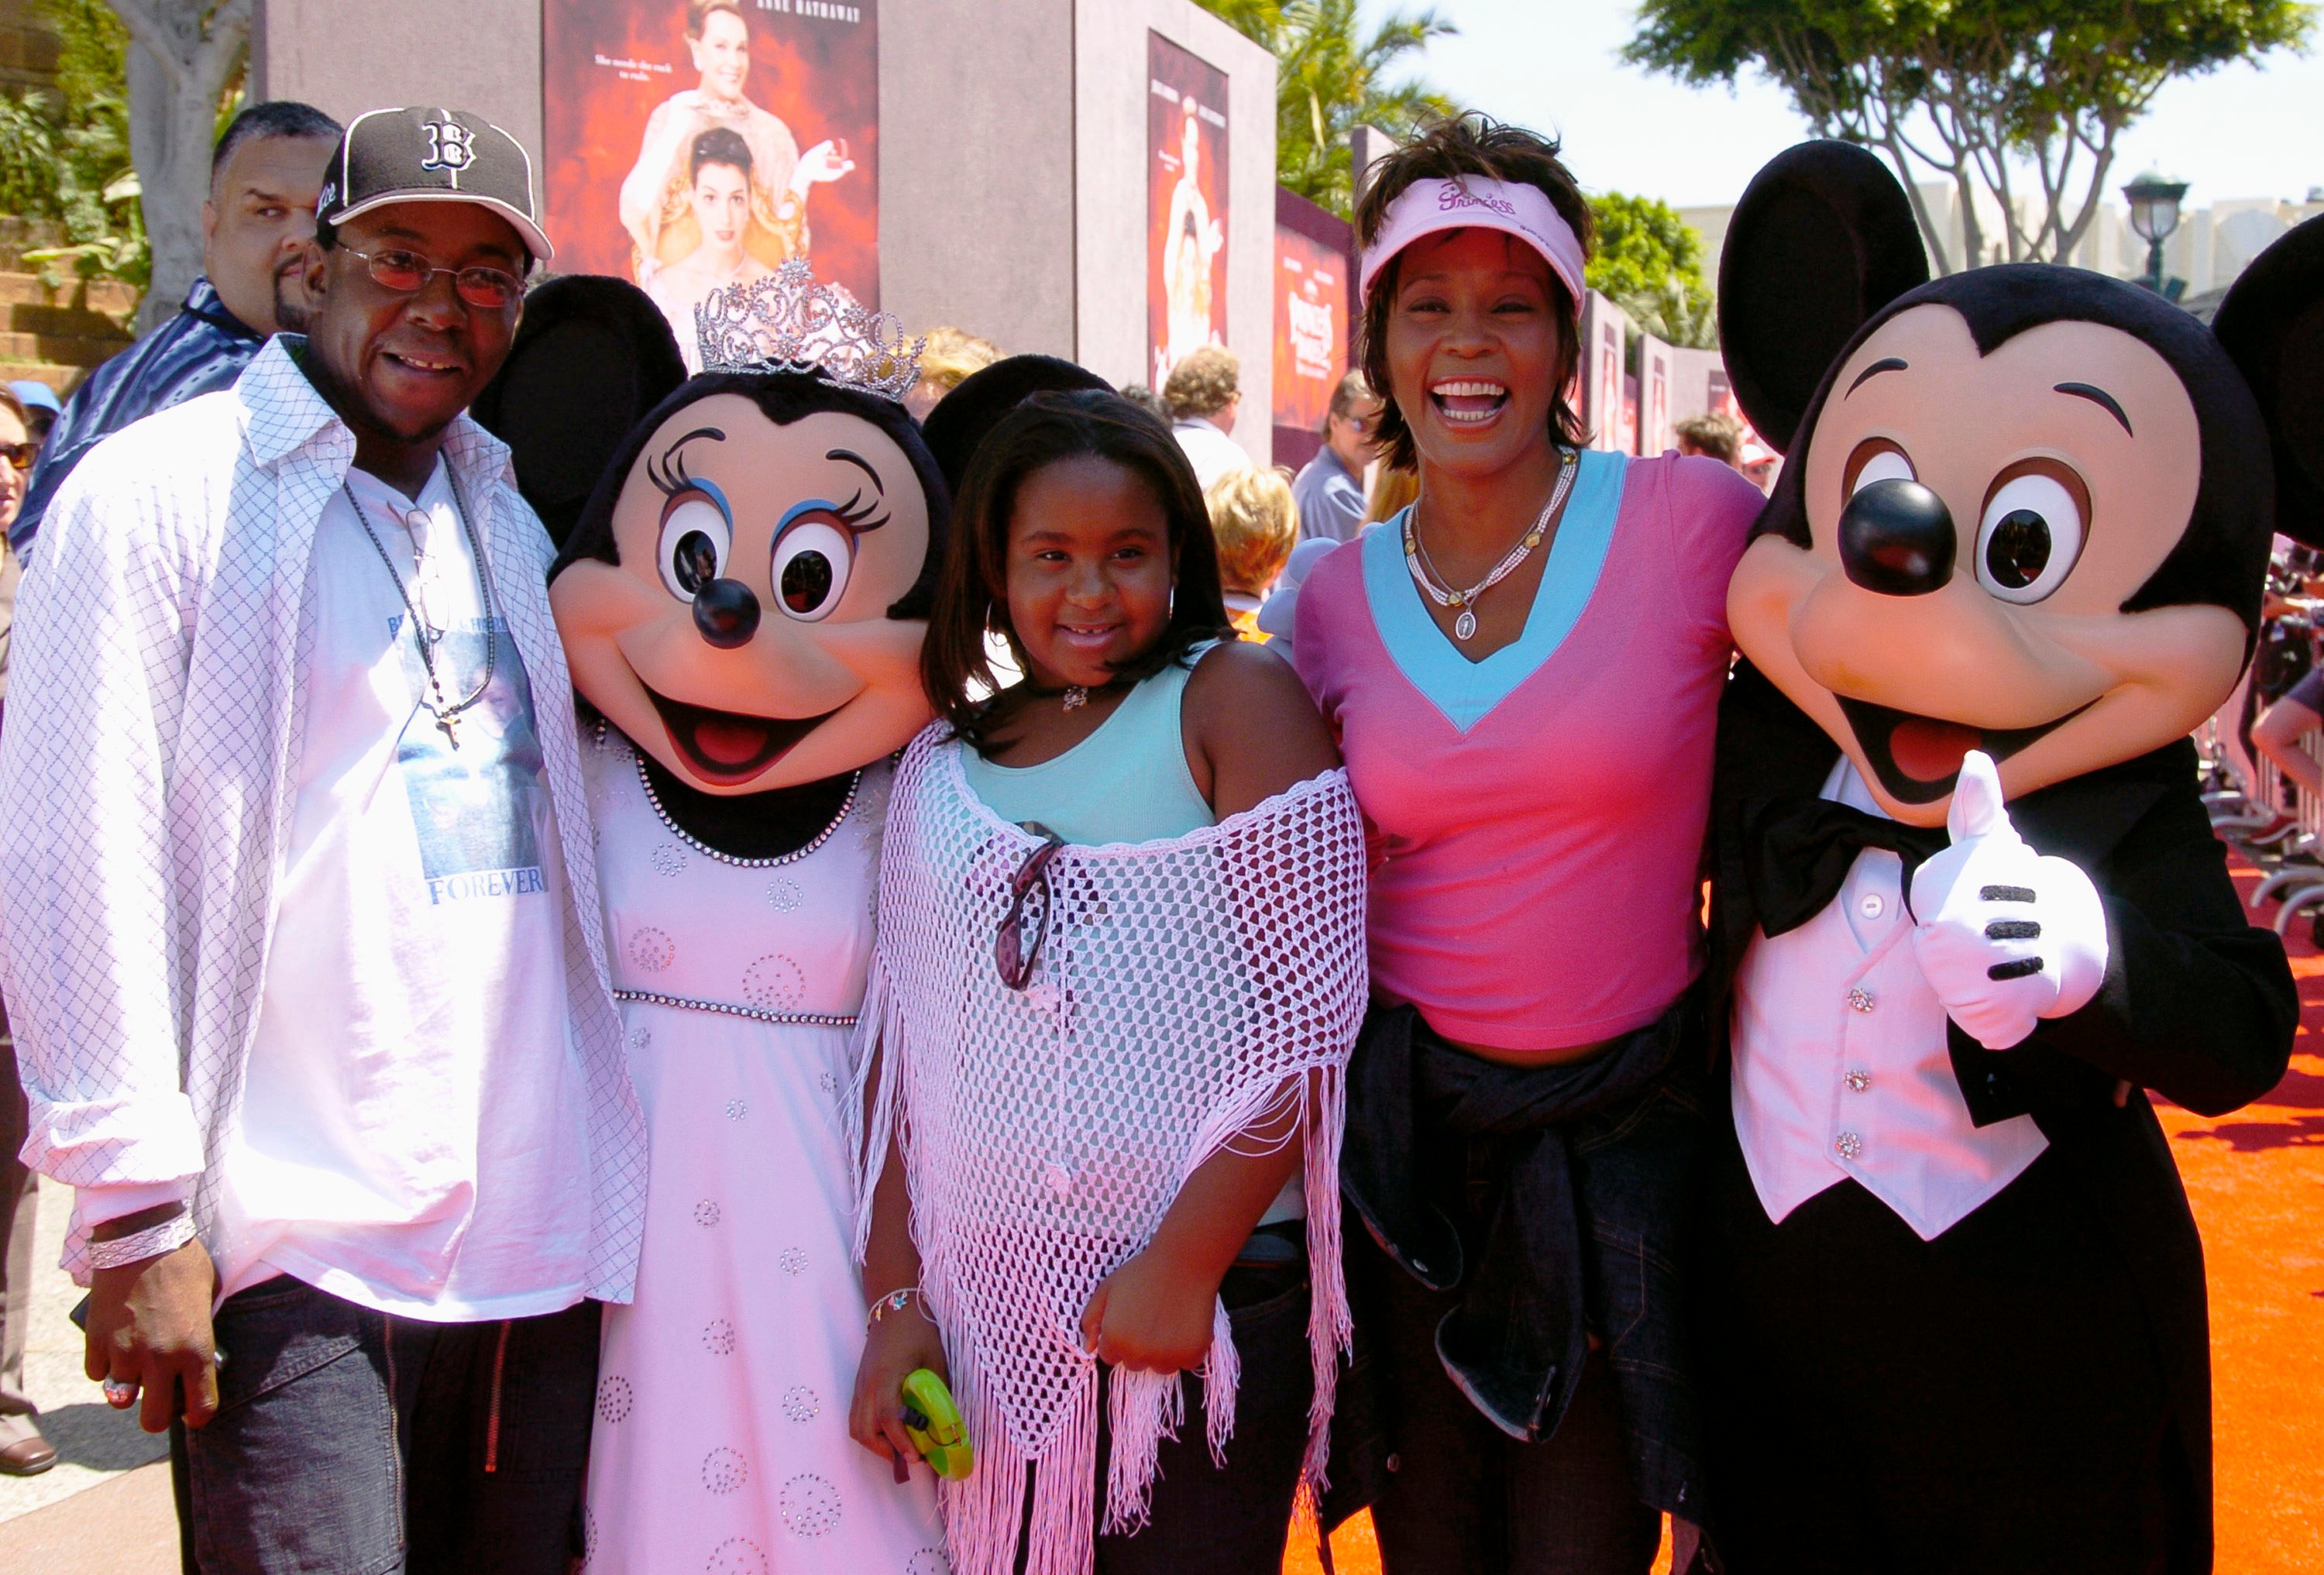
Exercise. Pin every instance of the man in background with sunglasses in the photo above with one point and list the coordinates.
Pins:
(306, 968)
(1330, 488)
(255, 224)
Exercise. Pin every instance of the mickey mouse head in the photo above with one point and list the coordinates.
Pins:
(2026, 509)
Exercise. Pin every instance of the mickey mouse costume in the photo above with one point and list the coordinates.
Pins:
(1950, 1292)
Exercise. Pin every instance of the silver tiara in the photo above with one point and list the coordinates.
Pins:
(789, 323)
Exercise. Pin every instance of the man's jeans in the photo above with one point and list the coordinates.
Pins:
(348, 1443)
(17, 1198)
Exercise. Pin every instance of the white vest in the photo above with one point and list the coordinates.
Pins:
(1841, 1064)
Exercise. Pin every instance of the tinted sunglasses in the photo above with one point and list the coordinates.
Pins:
(1030, 904)
(20, 456)
(408, 272)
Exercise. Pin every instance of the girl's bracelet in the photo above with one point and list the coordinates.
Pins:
(893, 1302)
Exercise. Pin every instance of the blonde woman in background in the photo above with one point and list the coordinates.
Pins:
(1393, 491)
(1255, 522)
(950, 356)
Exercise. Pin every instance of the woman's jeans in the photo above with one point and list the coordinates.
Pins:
(349, 1442)
(1462, 1497)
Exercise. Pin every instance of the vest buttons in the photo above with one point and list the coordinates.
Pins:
(1860, 998)
(1858, 1080)
(1848, 1146)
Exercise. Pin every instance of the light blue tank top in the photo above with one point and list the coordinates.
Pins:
(1127, 782)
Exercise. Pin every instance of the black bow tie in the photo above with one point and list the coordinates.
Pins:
(1797, 853)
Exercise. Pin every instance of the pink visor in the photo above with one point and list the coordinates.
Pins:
(1426, 207)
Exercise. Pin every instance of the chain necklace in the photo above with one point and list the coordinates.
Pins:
(425, 634)
(1464, 627)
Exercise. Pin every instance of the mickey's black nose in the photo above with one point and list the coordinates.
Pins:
(727, 612)
(1896, 537)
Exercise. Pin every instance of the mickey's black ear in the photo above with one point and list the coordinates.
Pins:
(592, 357)
(1823, 239)
(963, 417)
(2271, 325)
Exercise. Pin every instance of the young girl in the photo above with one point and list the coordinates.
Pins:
(1119, 972)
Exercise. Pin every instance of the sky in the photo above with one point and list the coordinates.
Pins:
(1552, 64)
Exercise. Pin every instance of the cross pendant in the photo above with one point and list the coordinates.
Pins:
(450, 722)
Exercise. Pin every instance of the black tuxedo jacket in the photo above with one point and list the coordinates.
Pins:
(2197, 1002)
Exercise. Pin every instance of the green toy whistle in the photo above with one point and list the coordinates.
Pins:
(932, 1421)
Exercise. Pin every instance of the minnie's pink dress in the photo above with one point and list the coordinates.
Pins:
(721, 1440)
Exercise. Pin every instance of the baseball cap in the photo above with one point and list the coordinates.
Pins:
(431, 155)
(36, 396)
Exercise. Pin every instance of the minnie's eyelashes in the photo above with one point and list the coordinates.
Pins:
(856, 513)
(670, 476)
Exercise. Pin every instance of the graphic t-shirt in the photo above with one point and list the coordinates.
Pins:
(414, 1134)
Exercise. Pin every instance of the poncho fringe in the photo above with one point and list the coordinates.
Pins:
(1045, 1134)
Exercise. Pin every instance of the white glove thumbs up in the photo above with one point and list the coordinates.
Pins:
(2004, 935)
(1976, 818)
(1976, 809)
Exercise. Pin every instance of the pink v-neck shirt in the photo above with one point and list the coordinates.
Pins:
(1538, 817)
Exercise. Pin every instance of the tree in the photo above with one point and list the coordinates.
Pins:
(1331, 78)
(1649, 262)
(188, 54)
(2024, 100)
(64, 156)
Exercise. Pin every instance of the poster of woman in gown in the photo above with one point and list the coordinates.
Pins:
(695, 144)
(721, 197)
(1187, 173)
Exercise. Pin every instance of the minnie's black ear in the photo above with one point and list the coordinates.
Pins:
(592, 357)
(2271, 325)
(1823, 239)
(963, 417)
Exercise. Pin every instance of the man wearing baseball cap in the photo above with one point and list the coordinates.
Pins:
(307, 976)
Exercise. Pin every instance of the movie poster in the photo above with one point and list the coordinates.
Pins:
(1655, 413)
(1186, 208)
(1606, 410)
(1693, 375)
(1310, 306)
(691, 144)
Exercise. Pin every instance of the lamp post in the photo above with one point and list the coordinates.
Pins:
(2154, 215)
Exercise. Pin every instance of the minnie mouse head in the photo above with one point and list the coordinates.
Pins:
(2024, 509)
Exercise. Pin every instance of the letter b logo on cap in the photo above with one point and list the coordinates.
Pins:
(450, 146)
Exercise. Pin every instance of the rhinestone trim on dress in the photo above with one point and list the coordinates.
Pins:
(638, 760)
(791, 1019)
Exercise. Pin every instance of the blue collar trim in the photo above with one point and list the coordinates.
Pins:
(1467, 692)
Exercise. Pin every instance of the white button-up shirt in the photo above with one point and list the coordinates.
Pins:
(153, 736)
(1209, 449)
(1841, 1068)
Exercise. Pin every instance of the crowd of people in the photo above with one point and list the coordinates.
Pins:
(1226, 1003)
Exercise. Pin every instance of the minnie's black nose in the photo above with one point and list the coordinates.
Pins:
(1896, 537)
(727, 612)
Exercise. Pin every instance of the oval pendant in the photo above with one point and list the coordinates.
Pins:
(1465, 626)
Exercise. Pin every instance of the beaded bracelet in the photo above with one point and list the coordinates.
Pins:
(893, 1302)
(138, 1246)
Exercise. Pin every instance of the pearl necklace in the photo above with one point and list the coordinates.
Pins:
(1464, 627)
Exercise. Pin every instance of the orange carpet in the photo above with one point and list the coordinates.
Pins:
(2257, 1180)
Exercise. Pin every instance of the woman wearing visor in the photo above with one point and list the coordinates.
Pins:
(1523, 668)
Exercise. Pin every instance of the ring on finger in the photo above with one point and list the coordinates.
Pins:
(121, 1393)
